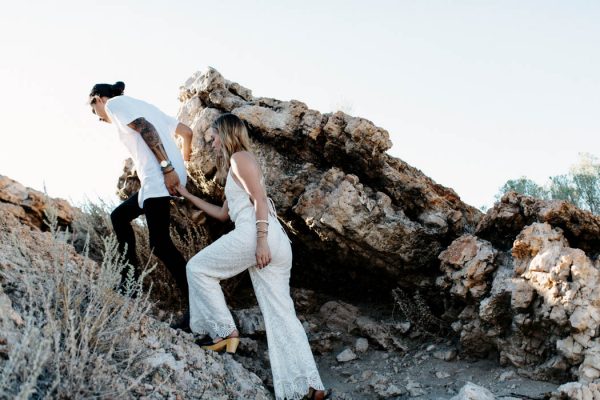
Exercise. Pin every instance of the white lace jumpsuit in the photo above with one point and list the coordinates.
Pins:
(292, 363)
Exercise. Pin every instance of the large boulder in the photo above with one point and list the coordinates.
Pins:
(534, 302)
(357, 216)
(31, 206)
(514, 211)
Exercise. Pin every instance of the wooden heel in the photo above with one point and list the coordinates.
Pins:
(232, 344)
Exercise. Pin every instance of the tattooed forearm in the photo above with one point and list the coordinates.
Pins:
(150, 136)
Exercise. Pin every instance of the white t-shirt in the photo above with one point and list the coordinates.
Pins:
(123, 110)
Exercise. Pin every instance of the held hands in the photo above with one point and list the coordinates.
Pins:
(263, 254)
(172, 182)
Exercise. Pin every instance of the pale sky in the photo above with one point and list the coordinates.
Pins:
(473, 93)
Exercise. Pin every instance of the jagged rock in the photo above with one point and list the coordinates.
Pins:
(381, 385)
(442, 375)
(542, 297)
(346, 355)
(248, 346)
(305, 300)
(577, 391)
(506, 376)
(391, 391)
(471, 391)
(323, 342)
(353, 210)
(446, 355)
(361, 345)
(339, 316)
(513, 212)
(250, 321)
(467, 265)
(30, 206)
(415, 389)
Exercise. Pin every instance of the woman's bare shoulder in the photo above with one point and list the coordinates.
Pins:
(243, 159)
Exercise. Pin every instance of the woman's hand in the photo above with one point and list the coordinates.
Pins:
(263, 254)
(183, 191)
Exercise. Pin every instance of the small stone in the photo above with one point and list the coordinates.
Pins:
(442, 375)
(446, 355)
(306, 326)
(402, 327)
(368, 374)
(361, 345)
(346, 355)
(431, 347)
(415, 389)
(506, 376)
(472, 391)
(392, 390)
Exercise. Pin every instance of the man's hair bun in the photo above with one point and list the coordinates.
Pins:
(118, 88)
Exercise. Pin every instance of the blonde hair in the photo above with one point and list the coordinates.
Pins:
(234, 137)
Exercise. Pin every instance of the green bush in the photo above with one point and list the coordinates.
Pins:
(581, 186)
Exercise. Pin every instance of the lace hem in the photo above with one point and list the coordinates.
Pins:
(213, 328)
(298, 388)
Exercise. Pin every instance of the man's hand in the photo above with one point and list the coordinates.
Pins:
(171, 182)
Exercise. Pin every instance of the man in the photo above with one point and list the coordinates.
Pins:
(147, 133)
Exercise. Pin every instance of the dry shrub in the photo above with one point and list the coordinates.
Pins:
(187, 234)
(79, 336)
(415, 309)
(92, 225)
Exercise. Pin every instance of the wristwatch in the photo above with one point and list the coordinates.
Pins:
(164, 164)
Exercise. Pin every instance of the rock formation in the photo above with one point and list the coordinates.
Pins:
(358, 217)
(529, 284)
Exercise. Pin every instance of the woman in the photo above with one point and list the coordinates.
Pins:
(258, 243)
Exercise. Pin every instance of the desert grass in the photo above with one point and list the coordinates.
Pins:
(78, 339)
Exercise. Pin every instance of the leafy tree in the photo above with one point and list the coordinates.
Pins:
(562, 187)
(525, 186)
(581, 186)
(586, 178)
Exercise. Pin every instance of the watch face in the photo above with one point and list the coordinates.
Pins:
(164, 163)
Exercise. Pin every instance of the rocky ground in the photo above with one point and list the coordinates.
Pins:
(369, 351)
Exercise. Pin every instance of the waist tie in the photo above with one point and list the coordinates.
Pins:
(273, 213)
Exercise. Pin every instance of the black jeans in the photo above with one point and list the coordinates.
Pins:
(158, 218)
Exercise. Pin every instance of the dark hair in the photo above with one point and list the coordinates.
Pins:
(107, 90)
